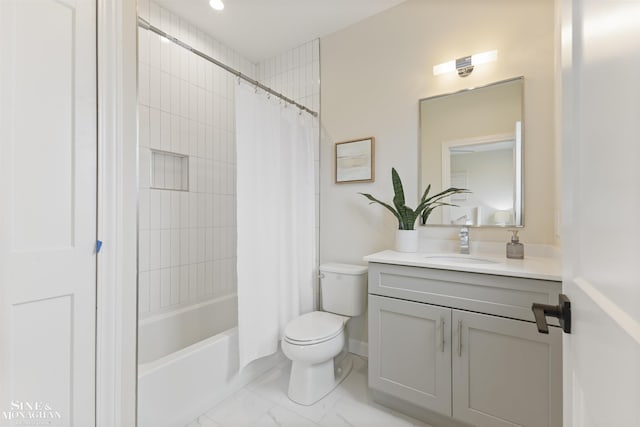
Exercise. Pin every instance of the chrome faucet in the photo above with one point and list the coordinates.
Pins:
(460, 220)
(464, 240)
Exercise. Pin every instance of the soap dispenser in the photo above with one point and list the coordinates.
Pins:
(515, 249)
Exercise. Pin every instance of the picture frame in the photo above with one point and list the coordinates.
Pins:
(355, 160)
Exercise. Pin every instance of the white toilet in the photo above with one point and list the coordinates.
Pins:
(314, 341)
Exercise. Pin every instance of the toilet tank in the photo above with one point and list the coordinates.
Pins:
(343, 288)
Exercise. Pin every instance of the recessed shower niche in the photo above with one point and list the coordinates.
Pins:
(169, 171)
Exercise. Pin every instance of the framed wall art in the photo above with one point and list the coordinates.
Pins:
(354, 161)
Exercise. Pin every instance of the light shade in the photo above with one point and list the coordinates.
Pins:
(484, 57)
(216, 4)
(445, 67)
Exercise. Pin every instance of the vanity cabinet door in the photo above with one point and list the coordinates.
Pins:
(505, 373)
(410, 352)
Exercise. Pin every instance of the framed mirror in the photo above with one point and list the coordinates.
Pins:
(473, 139)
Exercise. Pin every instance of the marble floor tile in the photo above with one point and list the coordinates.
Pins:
(264, 403)
(350, 413)
(203, 421)
(243, 409)
(281, 417)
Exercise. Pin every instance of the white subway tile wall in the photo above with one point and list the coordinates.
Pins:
(187, 239)
(295, 73)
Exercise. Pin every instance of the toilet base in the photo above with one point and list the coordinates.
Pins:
(310, 383)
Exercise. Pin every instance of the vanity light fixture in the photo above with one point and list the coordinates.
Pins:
(465, 65)
(216, 4)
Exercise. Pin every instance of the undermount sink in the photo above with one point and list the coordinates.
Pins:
(461, 259)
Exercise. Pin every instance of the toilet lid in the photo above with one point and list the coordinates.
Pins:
(313, 327)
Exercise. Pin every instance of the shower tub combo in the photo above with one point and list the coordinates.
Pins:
(188, 362)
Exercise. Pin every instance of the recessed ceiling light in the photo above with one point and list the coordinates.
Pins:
(216, 4)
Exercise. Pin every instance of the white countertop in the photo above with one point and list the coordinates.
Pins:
(532, 267)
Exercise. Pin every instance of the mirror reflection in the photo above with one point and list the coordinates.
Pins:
(473, 139)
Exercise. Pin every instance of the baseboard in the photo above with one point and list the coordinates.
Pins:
(361, 348)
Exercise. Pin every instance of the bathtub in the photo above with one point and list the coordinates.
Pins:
(188, 362)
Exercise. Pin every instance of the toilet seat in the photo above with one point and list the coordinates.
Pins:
(314, 328)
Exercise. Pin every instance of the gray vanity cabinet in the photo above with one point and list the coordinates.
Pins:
(469, 362)
(505, 373)
(412, 351)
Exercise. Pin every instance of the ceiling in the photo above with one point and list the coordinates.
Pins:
(261, 29)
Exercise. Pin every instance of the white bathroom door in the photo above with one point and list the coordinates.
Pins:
(48, 149)
(601, 192)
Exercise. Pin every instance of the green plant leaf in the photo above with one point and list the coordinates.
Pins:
(426, 212)
(398, 198)
(422, 206)
(405, 215)
(428, 205)
(374, 200)
(426, 192)
(408, 216)
(449, 191)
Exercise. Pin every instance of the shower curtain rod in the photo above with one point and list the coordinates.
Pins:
(147, 26)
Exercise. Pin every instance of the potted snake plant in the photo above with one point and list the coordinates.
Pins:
(407, 235)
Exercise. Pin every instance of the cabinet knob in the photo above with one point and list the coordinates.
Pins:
(562, 311)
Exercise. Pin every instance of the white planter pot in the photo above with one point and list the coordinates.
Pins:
(407, 240)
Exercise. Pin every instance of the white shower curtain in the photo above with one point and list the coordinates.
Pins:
(275, 219)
